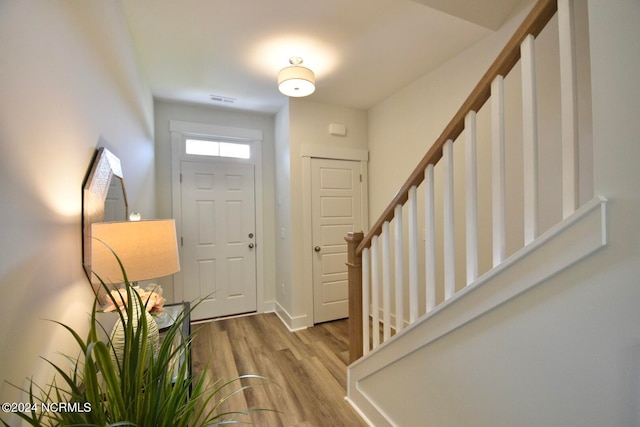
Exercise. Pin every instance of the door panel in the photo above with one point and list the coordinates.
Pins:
(218, 215)
(336, 205)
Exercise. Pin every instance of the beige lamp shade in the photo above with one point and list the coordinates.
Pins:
(147, 250)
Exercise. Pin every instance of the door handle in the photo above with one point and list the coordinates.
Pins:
(251, 245)
(317, 249)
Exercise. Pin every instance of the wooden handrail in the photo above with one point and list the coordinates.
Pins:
(533, 24)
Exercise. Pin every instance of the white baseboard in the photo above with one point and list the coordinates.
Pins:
(359, 412)
(292, 323)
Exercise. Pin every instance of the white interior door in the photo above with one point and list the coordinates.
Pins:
(218, 238)
(336, 209)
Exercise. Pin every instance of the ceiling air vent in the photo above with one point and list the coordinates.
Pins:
(220, 98)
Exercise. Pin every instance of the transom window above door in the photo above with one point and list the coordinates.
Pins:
(204, 147)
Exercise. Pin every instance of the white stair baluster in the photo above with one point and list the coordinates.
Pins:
(412, 206)
(471, 164)
(375, 293)
(498, 170)
(430, 242)
(569, 108)
(449, 232)
(366, 300)
(399, 268)
(386, 281)
(530, 139)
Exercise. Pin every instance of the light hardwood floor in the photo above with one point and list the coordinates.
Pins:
(307, 368)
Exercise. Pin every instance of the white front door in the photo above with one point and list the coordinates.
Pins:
(336, 209)
(218, 238)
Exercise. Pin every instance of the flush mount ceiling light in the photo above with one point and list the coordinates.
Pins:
(296, 80)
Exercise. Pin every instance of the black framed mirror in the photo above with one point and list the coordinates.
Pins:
(104, 198)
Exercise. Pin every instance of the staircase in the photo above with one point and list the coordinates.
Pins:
(411, 283)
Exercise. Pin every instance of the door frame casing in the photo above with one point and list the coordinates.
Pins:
(318, 151)
(180, 131)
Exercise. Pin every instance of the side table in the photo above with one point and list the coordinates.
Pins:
(173, 312)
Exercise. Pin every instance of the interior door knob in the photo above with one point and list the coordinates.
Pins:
(317, 249)
(250, 245)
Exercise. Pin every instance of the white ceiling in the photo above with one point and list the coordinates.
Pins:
(361, 50)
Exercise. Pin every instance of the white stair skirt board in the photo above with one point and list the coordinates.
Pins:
(576, 237)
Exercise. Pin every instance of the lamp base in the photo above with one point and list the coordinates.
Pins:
(117, 337)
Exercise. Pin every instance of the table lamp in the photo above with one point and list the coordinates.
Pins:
(147, 249)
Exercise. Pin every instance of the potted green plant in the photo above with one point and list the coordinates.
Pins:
(138, 390)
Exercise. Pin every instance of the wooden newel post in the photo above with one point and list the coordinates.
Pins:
(354, 264)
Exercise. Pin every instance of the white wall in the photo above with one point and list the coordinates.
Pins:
(69, 84)
(166, 111)
(304, 122)
(567, 352)
(283, 214)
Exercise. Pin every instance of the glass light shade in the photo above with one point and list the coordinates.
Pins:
(147, 250)
(296, 81)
